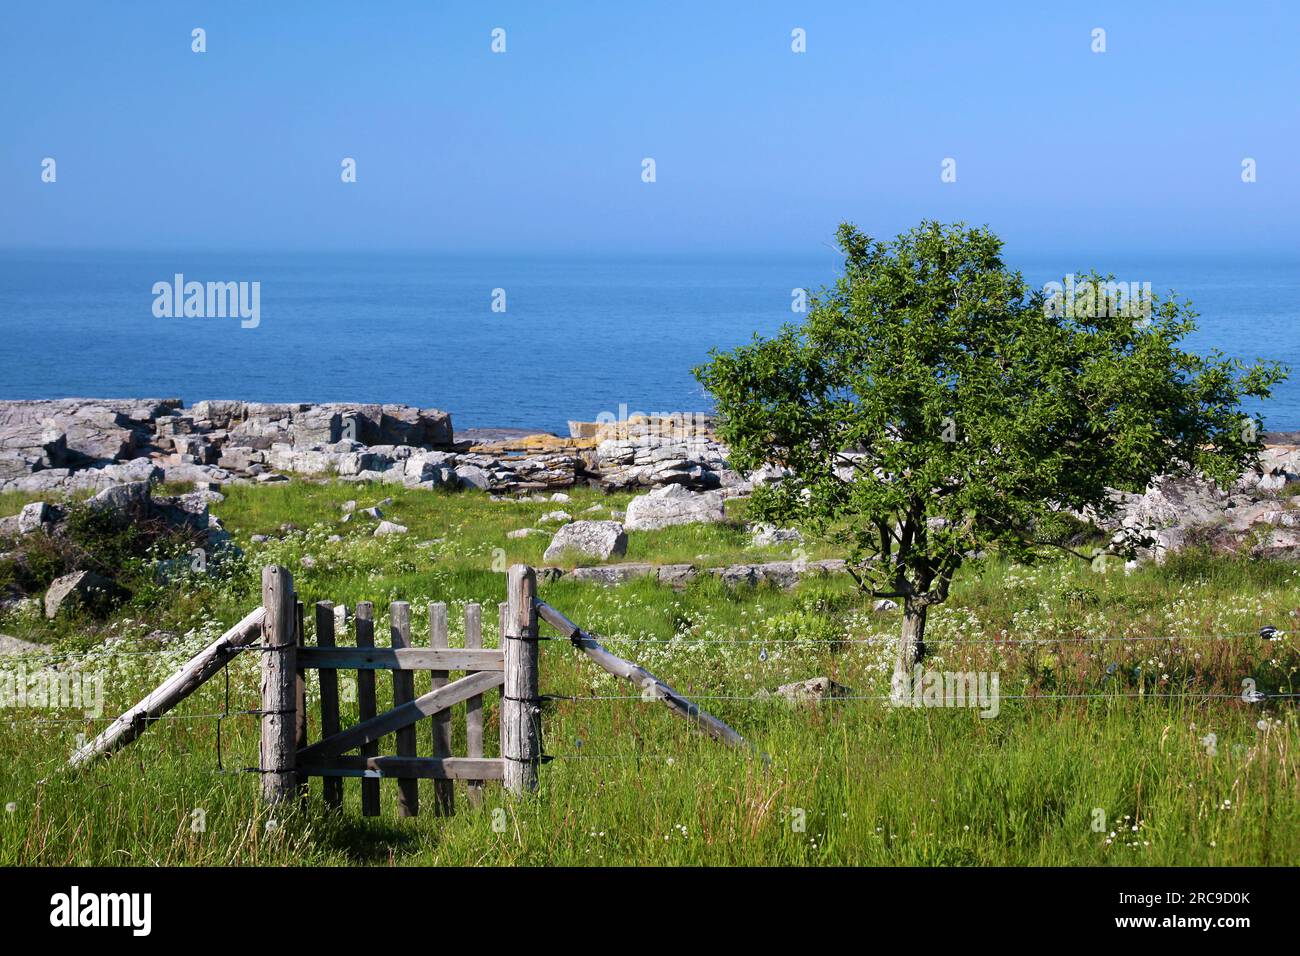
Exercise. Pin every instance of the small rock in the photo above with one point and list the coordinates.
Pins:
(560, 496)
(334, 538)
(13, 646)
(884, 604)
(812, 690)
(373, 513)
(33, 516)
(524, 532)
(85, 587)
(348, 507)
(553, 516)
(766, 535)
(390, 527)
(269, 477)
(259, 538)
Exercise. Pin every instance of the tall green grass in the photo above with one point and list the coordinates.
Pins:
(851, 781)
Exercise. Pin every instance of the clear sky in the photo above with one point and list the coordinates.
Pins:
(756, 147)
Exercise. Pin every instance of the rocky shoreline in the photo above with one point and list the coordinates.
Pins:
(91, 444)
(68, 445)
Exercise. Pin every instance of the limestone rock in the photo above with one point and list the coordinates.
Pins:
(590, 539)
(92, 591)
(812, 690)
(766, 536)
(16, 647)
(674, 505)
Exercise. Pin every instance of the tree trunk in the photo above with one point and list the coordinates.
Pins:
(911, 645)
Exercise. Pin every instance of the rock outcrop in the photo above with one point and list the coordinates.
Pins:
(672, 505)
(1251, 516)
(783, 574)
(78, 445)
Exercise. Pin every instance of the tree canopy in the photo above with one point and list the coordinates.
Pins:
(932, 405)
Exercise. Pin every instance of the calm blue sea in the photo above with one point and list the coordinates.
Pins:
(579, 336)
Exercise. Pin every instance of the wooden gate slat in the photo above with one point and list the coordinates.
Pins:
(404, 659)
(366, 706)
(358, 735)
(408, 790)
(444, 791)
(474, 706)
(329, 696)
(425, 768)
(300, 688)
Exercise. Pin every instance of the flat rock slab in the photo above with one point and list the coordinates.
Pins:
(673, 505)
(589, 539)
(14, 647)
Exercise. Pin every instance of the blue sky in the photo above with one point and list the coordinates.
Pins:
(757, 148)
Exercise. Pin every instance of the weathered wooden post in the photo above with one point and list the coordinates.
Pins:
(279, 685)
(521, 710)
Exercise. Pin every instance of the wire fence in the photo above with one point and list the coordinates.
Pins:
(1266, 633)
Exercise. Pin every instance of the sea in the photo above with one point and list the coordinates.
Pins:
(501, 341)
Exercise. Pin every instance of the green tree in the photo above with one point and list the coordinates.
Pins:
(932, 406)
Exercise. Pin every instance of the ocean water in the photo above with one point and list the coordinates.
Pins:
(579, 335)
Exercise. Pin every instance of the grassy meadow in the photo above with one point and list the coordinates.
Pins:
(1111, 687)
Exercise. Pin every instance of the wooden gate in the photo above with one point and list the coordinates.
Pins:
(288, 759)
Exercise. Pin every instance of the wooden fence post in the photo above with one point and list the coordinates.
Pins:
(521, 709)
(408, 788)
(279, 685)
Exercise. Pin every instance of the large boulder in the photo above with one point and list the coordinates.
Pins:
(589, 539)
(673, 505)
(134, 502)
(84, 588)
(125, 503)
